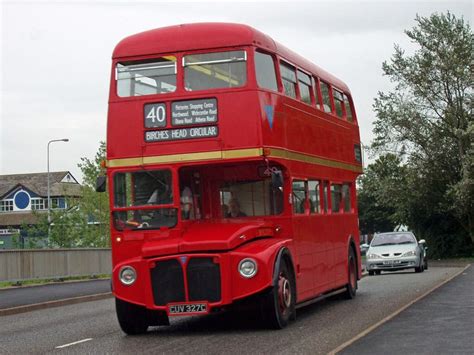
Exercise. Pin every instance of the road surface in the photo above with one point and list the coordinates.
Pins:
(92, 327)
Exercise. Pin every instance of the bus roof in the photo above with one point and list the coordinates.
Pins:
(195, 36)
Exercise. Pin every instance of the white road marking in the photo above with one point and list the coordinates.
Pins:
(76, 342)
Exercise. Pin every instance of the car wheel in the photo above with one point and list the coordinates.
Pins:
(351, 287)
(132, 318)
(371, 273)
(278, 305)
(378, 272)
(420, 268)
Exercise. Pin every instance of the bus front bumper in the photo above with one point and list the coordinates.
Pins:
(192, 283)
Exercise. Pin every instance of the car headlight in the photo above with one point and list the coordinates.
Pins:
(127, 275)
(409, 253)
(248, 268)
(373, 256)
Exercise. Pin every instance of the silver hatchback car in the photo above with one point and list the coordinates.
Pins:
(396, 251)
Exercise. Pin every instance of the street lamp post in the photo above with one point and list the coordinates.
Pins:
(49, 191)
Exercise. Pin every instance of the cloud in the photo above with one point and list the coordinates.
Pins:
(56, 59)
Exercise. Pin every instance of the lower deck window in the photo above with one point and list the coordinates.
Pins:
(250, 198)
(336, 197)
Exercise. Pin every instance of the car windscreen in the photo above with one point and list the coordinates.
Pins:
(393, 239)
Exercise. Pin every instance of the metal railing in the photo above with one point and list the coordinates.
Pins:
(27, 264)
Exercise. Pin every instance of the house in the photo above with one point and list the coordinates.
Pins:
(24, 197)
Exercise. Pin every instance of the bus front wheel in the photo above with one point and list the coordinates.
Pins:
(279, 303)
(132, 318)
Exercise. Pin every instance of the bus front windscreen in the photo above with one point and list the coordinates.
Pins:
(134, 195)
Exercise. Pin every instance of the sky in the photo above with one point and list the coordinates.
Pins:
(56, 60)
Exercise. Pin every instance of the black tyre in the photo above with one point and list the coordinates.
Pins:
(371, 273)
(351, 287)
(426, 264)
(420, 268)
(378, 272)
(132, 318)
(278, 304)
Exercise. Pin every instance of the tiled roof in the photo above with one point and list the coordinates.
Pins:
(38, 183)
(17, 219)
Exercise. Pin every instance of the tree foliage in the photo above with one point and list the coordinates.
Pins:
(381, 192)
(427, 121)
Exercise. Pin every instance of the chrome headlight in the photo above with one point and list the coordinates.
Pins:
(248, 268)
(127, 275)
(409, 253)
(373, 256)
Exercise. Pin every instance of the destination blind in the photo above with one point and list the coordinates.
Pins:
(181, 133)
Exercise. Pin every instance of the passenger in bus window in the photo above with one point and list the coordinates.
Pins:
(187, 211)
(234, 209)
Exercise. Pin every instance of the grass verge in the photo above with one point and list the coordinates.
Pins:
(34, 282)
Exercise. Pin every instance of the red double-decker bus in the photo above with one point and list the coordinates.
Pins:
(231, 166)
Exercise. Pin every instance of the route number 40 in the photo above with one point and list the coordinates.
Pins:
(155, 115)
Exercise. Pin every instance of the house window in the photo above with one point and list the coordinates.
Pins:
(6, 205)
(37, 204)
(288, 78)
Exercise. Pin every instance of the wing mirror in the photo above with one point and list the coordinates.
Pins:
(277, 179)
(101, 183)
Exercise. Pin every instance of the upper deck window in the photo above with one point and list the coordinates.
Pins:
(338, 102)
(347, 104)
(288, 78)
(316, 92)
(146, 78)
(215, 70)
(326, 97)
(265, 71)
(304, 82)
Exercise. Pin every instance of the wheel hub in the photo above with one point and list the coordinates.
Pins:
(284, 292)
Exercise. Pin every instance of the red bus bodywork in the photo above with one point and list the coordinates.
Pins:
(257, 128)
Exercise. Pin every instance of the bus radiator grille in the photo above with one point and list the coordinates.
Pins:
(167, 282)
(204, 280)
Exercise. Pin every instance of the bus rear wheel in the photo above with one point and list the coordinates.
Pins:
(351, 287)
(278, 304)
(132, 318)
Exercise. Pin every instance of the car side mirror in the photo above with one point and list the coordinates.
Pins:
(101, 184)
(277, 179)
(421, 241)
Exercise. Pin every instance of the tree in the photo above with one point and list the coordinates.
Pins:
(94, 206)
(381, 194)
(427, 121)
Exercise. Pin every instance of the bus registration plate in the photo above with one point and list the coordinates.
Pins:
(187, 308)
